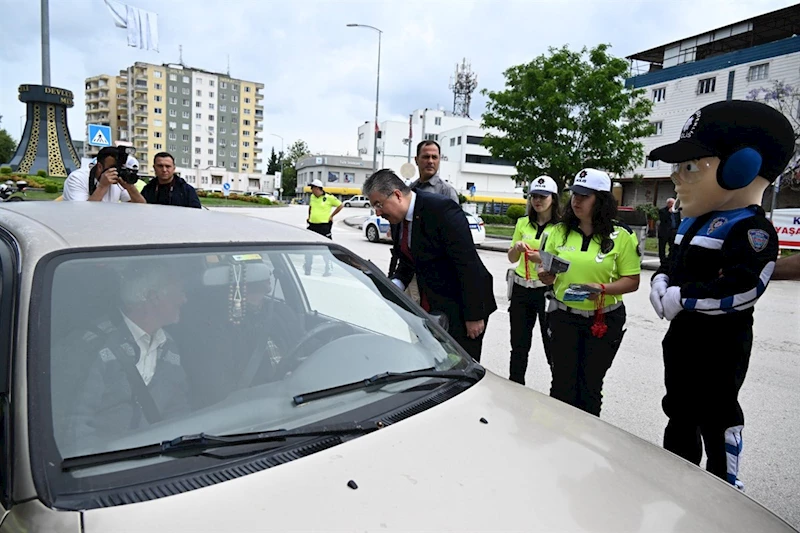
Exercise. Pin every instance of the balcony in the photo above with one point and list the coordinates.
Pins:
(140, 113)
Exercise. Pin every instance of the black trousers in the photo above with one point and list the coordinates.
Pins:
(581, 360)
(663, 242)
(472, 346)
(325, 231)
(525, 307)
(703, 378)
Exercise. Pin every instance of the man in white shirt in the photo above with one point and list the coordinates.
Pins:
(109, 186)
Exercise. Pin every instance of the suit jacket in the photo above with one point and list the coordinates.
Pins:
(668, 222)
(449, 271)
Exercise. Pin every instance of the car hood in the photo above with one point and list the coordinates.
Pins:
(497, 457)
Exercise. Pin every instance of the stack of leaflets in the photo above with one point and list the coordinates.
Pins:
(551, 263)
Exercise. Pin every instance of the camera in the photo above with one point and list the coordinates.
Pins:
(125, 173)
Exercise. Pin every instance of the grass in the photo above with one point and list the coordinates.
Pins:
(499, 230)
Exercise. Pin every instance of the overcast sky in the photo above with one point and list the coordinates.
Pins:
(319, 75)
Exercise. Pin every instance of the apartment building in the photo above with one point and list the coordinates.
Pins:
(191, 113)
(465, 162)
(726, 63)
(103, 106)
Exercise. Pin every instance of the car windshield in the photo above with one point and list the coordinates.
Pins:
(144, 348)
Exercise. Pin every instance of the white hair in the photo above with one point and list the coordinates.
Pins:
(139, 280)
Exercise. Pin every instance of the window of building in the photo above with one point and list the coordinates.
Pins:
(452, 141)
(223, 85)
(197, 139)
(186, 91)
(211, 84)
(211, 94)
(204, 178)
(222, 130)
(658, 127)
(233, 143)
(198, 81)
(246, 133)
(222, 119)
(173, 77)
(186, 103)
(173, 125)
(486, 160)
(246, 100)
(197, 164)
(246, 144)
(184, 162)
(185, 138)
(186, 114)
(173, 113)
(184, 126)
(158, 146)
(234, 131)
(245, 166)
(234, 110)
(234, 98)
(235, 87)
(437, 121)
(186, 79)
(246, 155)
(222, 154)
(233, 164)
(185, 150)
(158, 74)
(158, 86)
(222, 142)
(198, 116)
(706, 86)
(758, 72)
(211, 129)
(428, 136)
(173, 100)
(210, 163)
(157, 134)
(246, 111)
(247, 88)
(650, 164)
(223, 108)
(245, 122)
(198, 151)
(211, 140)
(173, 137)
(210, 151)
(173, 89)
(211, 106)
(157, 98)
(198, 92)
(458, 140)
(198, 105)
(660, 94)
(472, 139)
(216, 180)
(172, 147)
(223, 96)
(158, 123)
(157, 110)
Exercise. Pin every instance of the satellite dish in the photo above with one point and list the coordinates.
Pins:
(408, 170)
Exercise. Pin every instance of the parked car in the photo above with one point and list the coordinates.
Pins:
(376, 228)
(282, 401)
(357, 201)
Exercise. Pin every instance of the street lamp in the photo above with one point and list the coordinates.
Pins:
(377, 93)
(280, 193)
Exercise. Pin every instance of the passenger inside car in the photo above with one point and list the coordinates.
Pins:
(235, 331)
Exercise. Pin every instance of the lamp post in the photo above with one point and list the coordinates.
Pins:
(283, 155)
(377, 93)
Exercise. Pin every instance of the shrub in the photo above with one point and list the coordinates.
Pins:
(42, 173)
(50, 188)
(5, 170)
(515, 211)
(497, 219)
(648, 209)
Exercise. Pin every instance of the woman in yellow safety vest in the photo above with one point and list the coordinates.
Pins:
(526, 291)
(587, 316)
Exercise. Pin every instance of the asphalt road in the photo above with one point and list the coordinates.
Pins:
(634, 387)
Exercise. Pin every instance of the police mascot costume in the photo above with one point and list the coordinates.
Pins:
(724, 254)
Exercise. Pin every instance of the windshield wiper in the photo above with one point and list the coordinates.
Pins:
(195, 444)
(379, 380)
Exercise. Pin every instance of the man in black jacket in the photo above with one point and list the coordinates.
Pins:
(668, 223)
(432, 240)
(167, 188)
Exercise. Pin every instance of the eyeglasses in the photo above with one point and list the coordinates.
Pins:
(379, 205)
(689, 172)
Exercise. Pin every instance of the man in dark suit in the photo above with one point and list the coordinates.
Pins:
(668, 223)
(432, 240)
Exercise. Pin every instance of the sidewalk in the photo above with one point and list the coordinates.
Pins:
(356, 221)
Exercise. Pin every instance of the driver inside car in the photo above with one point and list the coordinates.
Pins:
(235, 332)
(124, 372)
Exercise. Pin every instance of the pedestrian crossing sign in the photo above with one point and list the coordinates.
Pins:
(99, 135)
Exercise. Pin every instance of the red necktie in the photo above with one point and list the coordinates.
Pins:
(404, 248)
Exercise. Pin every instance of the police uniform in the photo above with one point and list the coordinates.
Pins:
(581, 357)
(527, 299)
(719, 267)
(319, 221)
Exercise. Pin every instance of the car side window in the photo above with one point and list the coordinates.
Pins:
(7, 279)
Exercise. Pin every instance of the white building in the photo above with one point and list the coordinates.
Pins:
(464, 162)
(213, 178)
(204, 119)
(723, 64)
(341, 175)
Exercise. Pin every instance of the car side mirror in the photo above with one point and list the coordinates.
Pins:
(441, 319)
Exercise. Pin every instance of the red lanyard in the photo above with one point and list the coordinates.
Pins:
(528, 256)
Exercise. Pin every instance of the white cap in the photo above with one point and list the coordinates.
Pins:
(543, 184)
(316, 183)
(589, 181)
(132, 163)
(93, 162)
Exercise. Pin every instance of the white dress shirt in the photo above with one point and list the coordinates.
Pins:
(409, 218)
(148, 349)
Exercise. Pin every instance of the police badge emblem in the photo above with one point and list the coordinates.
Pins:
(716, 224)
(758, 239)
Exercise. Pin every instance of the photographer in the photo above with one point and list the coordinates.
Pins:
(102, 182)
(167, 188)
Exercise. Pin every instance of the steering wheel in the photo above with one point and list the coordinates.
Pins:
(291, 361)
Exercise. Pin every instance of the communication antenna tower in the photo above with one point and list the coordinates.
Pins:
(463, 84)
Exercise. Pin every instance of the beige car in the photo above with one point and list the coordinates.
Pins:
(169, 370)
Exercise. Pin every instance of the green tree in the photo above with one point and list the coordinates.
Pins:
(567, 110)
(297, 151)
(7, 145)
(273, 165)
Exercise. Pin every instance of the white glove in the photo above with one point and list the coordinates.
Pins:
(658, 288)
(672, 303)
